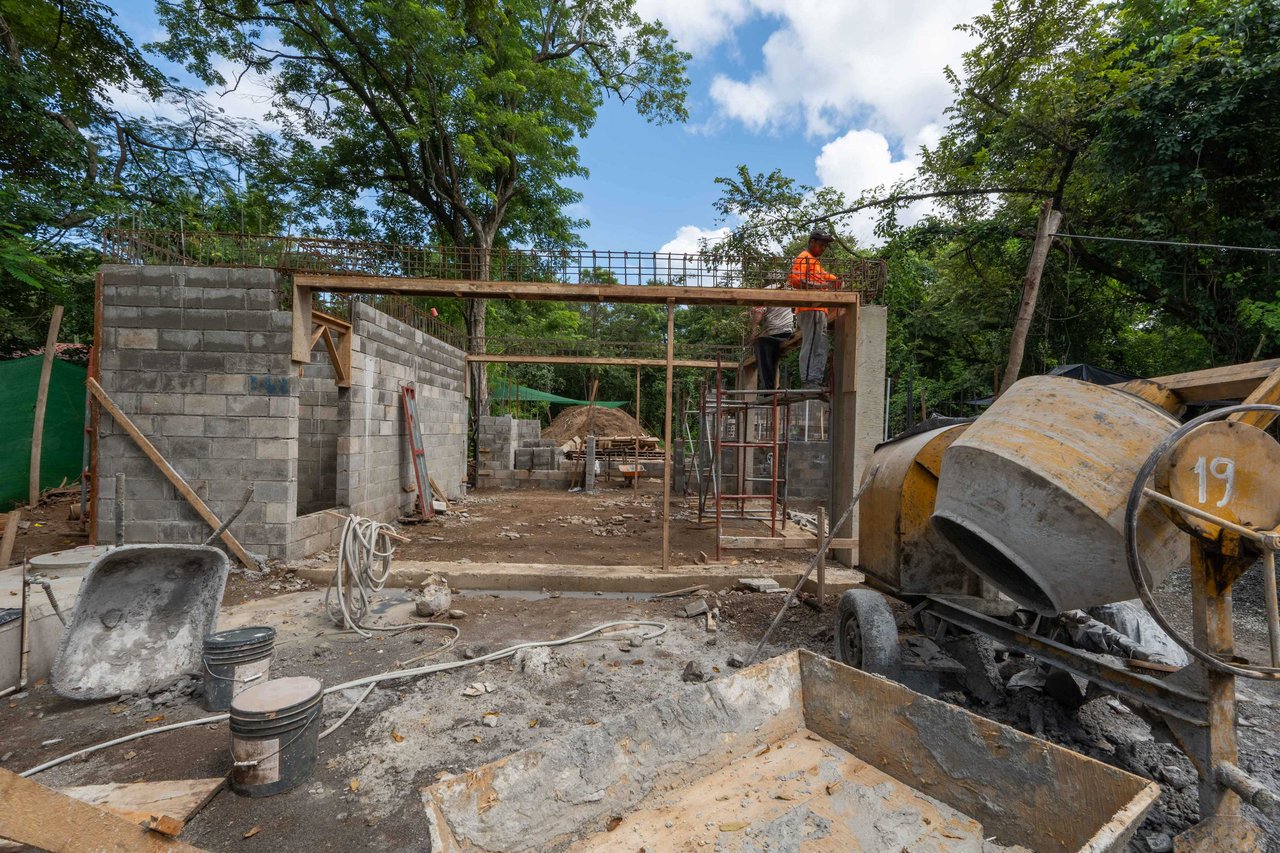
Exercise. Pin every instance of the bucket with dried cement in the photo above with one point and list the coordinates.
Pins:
(234, 661)
(274, 731)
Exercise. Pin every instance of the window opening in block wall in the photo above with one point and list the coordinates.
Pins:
(318, 430)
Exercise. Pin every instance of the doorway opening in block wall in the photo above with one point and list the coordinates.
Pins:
(319, 428)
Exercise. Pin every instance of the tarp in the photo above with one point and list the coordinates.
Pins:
(1083, 372)
(62, 450)
(505, 391)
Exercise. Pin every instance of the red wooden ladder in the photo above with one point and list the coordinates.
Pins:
(409, 397)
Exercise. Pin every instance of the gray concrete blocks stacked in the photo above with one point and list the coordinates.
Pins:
(496, 443)
(319, 429)
(178, 349)
(513, 454)
(376, 465)
(200, 359)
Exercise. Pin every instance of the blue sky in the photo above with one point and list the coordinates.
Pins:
(833, 92)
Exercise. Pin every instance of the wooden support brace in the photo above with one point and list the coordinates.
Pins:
(1267, 392)
(170, 474)
(50, 820)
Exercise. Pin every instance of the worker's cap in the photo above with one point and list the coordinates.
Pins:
(820, 235)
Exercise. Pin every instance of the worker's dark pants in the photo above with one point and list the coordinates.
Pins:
(813, 348)
(768, 348)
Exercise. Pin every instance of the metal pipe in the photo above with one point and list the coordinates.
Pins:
(1246, 532)
(24, 643)
(1250, 790)
(119, 510)
(1273, 607)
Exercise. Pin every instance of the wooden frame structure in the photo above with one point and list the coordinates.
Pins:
(845, 335)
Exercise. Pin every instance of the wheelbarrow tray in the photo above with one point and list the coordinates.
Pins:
(796, 753)
(140, 621)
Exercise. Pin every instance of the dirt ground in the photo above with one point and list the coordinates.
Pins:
(364, 790)
(613, 526)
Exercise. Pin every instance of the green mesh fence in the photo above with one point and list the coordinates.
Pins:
(63, 447)
(504, 392)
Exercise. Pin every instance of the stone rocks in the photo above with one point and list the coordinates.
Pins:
(434, 596)
(694, 673)
(693, 608)
(536, 661)
(457, 614)
(736, 662)
(760, 584)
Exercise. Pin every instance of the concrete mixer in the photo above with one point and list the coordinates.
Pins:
(1064, 495)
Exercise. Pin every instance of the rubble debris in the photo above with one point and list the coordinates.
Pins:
(693, 608)
(694, 673)
(433, 597)
(736, 661)
(760, 584)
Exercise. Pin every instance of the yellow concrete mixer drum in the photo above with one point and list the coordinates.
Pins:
(897, 545)
(1033, 494)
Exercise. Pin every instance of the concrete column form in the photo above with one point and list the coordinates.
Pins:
(857, 406)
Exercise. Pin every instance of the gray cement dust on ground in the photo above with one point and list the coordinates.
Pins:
(364, 792)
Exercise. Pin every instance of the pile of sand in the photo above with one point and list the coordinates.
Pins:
(573, 423)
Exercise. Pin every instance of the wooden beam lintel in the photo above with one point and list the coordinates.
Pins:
(504, 358)
(655, 294)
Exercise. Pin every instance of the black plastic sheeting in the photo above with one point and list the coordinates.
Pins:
(1084, 372)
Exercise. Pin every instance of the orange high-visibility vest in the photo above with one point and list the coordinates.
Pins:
(807, 274)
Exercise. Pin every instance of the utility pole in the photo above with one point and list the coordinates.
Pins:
(1047, 226)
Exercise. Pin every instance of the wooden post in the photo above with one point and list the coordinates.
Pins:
(119, 509)
(1050, 219)
(666, 439)
(635, 475)
(822, 556)
(95, 373)
(10, 535)
(42, 401)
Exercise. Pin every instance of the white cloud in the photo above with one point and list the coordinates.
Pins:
(688, 239)
(696, 24)
(873, 62)
(862, 160)
(250, 100)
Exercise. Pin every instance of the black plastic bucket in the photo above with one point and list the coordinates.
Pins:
(275, 726)
(233, 661)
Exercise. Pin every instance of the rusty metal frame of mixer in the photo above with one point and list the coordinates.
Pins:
(1170, 699)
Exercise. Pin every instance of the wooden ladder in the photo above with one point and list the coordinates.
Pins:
(408, 396)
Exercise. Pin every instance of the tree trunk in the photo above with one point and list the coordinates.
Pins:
(1050, 219)
(477, 312)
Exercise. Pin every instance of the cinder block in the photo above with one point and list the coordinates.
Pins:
(223, 340)
(544, 458)
(524, 459)
(180, 425)
(248, 406)
(204, 404)
(226, 384)
(181, 340)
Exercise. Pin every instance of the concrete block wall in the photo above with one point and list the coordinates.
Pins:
(318, 431)
(199, 359)
(496, 443)
(375, 461)
(513, 454)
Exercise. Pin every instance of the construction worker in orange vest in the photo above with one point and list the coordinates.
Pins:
(807, 274)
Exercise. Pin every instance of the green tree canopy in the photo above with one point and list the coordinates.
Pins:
(463, 114)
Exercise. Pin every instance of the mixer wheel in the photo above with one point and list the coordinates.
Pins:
(866, 634)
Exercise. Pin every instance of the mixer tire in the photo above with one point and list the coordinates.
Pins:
(866, 634)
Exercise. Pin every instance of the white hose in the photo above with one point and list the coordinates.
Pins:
(361, 682)
(364, 564)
